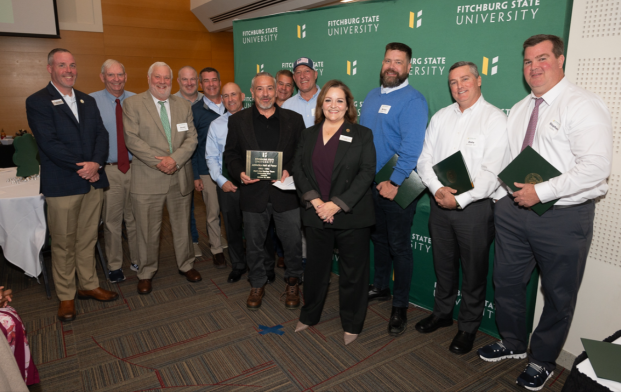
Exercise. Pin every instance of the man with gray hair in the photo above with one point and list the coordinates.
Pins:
(462, 226)
(266, 127)
(117, 206)
(160, 133)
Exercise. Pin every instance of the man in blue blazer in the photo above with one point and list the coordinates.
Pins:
(73, 147)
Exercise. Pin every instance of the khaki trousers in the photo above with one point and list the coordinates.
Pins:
(148, 210)
(73, 222)
(210, 197)
(117, 206)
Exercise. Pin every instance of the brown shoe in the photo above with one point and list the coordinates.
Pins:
(292, 291)
(255, 298)
(281, 262)
(66, 311)
(144, 286)
(219, 261)
(98, 294)
(192, 275)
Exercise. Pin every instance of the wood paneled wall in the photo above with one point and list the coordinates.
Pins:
(136, 32)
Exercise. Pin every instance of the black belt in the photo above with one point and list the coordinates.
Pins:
(114, 163)
(562, 207)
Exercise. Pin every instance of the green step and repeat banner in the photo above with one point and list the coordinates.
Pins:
(347, 42)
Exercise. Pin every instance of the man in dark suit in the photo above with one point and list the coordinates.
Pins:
(266, 127)
(73, 147)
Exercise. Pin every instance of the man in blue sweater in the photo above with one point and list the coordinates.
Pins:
(397, 115)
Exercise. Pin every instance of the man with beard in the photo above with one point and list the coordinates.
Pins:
(284, 86)
(266, 127)
(160, 133)
(397, 114)
(305, 101)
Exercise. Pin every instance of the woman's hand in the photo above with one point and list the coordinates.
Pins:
(316, 203)
(326, 211)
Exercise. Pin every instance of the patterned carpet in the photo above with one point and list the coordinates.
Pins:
(200, 337)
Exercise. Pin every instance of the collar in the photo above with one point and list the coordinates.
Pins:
(112, 97)
(209, 101)
(554, 92)
(157, 101)
(69, 97)
(388, 90)
(471, 108)
(314, 97)
(256, 114)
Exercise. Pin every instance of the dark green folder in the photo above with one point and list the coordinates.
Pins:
(605, 358)
(410, 188)
(453, 172)
(529, 168)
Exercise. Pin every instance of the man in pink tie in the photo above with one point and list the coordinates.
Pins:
(571, 128)
(117, 205)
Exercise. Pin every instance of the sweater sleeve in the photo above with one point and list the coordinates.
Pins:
(412, 123)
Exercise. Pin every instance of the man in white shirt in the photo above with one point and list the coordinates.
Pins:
(462, 226)
(571, 128)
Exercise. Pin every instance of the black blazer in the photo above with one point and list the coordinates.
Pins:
(240, 138)
(352, 177)
(63, 141)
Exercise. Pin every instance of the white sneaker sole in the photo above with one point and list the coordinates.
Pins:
(536, 389)
(510, 356)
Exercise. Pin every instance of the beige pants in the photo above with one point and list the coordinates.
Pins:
(148, 210)
(210, 197)
(117, 206)
(73, 222)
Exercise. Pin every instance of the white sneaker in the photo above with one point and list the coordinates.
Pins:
(133, 267)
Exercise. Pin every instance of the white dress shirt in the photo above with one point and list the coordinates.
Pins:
(574, 134)
(166, 105)
(70, 100)
(480, 134)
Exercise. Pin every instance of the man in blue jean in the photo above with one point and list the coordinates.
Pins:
(397, 115)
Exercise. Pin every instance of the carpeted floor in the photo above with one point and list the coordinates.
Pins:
(200, 337)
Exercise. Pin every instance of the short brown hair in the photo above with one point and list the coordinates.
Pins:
(285, 72)
(401, 47)
(351, 115)
(50, 56)
(557, 43)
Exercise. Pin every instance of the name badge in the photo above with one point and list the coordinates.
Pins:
(182, 127)
(555, 125)
(313, 112)
(346, 138)
(384, 109)
(471, 142)
(57, 102)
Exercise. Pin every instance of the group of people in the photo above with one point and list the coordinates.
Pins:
(163, 146)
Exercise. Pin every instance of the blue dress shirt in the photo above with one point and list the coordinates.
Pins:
(106, 103)
(303, 107)
(216, 140)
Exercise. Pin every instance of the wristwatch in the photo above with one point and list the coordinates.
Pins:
(457, 204)
(394, 184)
(178, 167)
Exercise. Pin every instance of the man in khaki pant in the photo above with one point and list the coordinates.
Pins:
(73, 146)
(159, 132)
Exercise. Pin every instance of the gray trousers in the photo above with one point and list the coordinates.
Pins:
(558, 243)
(467, 235)
(288, 229)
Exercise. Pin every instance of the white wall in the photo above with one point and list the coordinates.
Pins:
(594, 63)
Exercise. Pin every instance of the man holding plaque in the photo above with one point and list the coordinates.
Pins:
(571, 129)
(462, 226)
(257, 140)
(397, 115)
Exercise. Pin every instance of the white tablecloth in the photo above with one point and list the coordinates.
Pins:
(22, 222)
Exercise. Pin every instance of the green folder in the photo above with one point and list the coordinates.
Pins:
(529, 168)
(605, 358)
(453, 172)
(409, 189)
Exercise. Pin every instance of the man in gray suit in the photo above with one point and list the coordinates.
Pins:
(160, 133)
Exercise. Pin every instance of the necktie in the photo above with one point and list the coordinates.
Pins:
(122, 156)
(532, 125)
(165, 124)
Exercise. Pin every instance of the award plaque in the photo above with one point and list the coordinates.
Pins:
(264, 165)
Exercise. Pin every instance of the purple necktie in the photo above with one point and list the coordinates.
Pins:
(532, 125)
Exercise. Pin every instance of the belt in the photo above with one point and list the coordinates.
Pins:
(114, 163)
(562, 207)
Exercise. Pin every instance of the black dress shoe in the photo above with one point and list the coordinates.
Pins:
(398, 321)
(431, 323)
(236, 275)
(271, 277)
(462, 343)
(379, 295)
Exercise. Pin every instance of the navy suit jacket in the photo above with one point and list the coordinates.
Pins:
(203, 116)
(63, 141)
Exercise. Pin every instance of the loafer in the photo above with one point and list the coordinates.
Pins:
(66, 311)
(98, 294)
(280, 263)
(398, 322)
(271, 277)
(197, 250)
(292, 294)
(462, 343)
(116, 276)
(534, 377)
(378, 295)
(144, 286)
(219, 261)
(431, 323)
(255, 298)
(236, 275)
(192, 275)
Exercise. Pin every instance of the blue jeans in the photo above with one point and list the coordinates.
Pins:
(193, 221)
(392, 247)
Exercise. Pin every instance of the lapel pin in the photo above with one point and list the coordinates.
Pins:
(81, 101)
(347, 130)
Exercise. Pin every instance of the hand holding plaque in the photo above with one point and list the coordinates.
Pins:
(264, 165)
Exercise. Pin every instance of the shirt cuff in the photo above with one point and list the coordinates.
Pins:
(464, 199)
(221, 180)
(397, 177)
(311, 195)
(545, 192)
(434, 186)
(341, 204)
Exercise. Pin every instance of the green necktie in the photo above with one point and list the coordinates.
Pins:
(165, 124)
